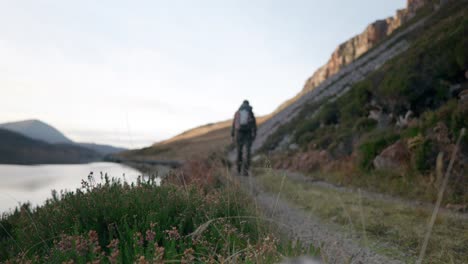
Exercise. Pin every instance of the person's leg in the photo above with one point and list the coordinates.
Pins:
(240, 146)
(248, 145)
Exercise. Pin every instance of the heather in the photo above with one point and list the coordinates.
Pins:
(192, 217)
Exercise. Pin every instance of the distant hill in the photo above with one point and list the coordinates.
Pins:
(42, 131)
(19, 149)
(37, 129)
(102, 149)
(197, 142)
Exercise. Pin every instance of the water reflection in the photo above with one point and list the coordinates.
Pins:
(20, 184)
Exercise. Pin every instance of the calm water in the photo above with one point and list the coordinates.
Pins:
(19, 184)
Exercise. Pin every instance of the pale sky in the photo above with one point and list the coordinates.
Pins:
(131, 73)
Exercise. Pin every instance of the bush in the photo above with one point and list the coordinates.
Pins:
(364, 124)
(411, 132)
(461, 54)
(329, 114)
(305, 129)
(353, 104)
(422, 157)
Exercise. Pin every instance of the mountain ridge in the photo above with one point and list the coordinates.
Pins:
(39, 130)
(16, 148)
(357, 46)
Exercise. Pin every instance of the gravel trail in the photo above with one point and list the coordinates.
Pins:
(299, 177)
(335, 246)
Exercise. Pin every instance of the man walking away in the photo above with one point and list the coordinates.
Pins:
(243, 133)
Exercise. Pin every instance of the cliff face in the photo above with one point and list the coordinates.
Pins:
(351, 62)
(358, 45)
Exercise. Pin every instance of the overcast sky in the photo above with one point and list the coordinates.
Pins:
(131, 73)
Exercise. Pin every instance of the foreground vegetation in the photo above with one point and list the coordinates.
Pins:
(190, 218)
(388, 226)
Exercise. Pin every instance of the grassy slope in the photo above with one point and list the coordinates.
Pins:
(196, 143)
(419, 79)
(389, 227)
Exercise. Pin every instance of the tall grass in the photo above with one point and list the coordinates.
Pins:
(189, 218)
(387, 226)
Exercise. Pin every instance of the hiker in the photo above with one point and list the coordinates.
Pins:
(243, 133)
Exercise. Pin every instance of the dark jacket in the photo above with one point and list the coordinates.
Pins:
(252, 125)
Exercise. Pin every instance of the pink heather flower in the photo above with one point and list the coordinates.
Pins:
(114, 256)
(150, 235)
(173, 234)
(158, 253)
(93, 237)
(142, 260)
(65, 243)
(114, 244)
(138, 237)
(81, 245)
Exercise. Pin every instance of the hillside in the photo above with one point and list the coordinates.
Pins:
(100, 148)
(18, 149)
(351, 61)
(195, 143)
(352, 49)
(39, 130)
(391, 121)
(404, 84)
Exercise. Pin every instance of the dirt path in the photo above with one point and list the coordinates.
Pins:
(355, 226)
(299, 177)
(335, 246)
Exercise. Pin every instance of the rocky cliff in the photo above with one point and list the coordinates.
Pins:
(350, 50)
(351, 62)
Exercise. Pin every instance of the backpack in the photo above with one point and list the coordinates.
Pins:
(244, 119)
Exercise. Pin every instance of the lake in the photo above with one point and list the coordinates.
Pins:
(34, 183)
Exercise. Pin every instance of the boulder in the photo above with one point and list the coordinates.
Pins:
(375, 114)
(394, 157)
(463, 97)
(293, 146)
(284, 143)
(403, 121)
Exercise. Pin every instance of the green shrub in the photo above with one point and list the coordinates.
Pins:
(329, 113)
(458, 120)
(307, 127)
(411, 132)
(364, 124)
(461, 54)
(353, 104)
(422, 157)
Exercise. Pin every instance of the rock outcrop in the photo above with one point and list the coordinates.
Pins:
(394, 157)
(338, 84)
(358, 45)
(352, 61)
